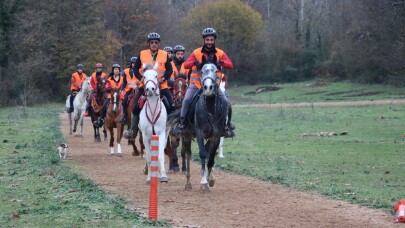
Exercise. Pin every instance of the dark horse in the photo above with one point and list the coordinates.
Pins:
(131, 104)
(205, 121)
(179, 89)
(96, 103)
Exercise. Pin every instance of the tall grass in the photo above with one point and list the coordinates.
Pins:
(38, 190)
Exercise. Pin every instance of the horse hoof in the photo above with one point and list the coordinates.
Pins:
(145, 171)
(164, 179)
(135, 153)
(205, 188)
(176, 169)
(184, 173)
(148, 182)
(119, 155)
(170, 171)
(188, 186)
(111, 155)
(211, 183)
(70, 133)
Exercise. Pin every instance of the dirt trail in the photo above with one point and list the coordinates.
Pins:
(235, 201)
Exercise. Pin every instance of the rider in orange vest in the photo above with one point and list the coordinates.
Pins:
(151, 56)
(178, 66)
(131, 82)
(76, 84)
(169, 51)
(115, 81)
(208, 53)
(95, 77)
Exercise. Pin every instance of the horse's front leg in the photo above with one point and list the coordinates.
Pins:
(76, 118)
(175, 160)
(162, 145)
(70, 123)
(81, 123)
(213, 146)
(203, 156)
(147, 169)
(119, 136)
(105, 133)
(186, 150)
(111, 141)
(221, 148)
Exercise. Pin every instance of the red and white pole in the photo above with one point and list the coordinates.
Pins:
(154, 168)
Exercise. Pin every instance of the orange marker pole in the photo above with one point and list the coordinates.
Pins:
(154, 168)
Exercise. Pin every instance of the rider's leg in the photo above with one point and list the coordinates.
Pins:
(191, 91)
(72, 98)
(133, 131)
(86, 113)
(103, 113)
(166, 93)
(125, 107)
(228, 125)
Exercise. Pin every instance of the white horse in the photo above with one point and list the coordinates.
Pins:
(152, 120)
(79, 105)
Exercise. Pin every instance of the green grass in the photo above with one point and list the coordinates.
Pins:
(301, 92)
(366, 167)
(36, 187)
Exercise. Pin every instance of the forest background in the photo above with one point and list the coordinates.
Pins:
(269, 41)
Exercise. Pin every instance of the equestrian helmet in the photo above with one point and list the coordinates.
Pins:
(168, 49)
(179, 48)
(153, 36)
(99, 65)
(80, 66)
(209, 32)
(116, 66)
(133, 59)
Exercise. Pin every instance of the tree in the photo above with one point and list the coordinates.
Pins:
(239, 30)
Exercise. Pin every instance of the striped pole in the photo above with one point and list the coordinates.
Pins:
(154, 168)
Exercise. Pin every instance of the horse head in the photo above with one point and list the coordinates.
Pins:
(86, 85)
(151, 79)
(101, 86)
(209, 79)
(115, 99)
(180, 88)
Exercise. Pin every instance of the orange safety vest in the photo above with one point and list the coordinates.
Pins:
(146, 58)
(94, 81)
(112, 84)
(195, 77)
(176, 73)
(131, 81)
(77, 80)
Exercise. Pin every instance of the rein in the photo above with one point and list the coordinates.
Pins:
(155, 116)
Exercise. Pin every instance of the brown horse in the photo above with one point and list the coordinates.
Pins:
(96, 103)
(131, 104)
(179, 89)
(113, 120)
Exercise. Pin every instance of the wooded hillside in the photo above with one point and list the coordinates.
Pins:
(268, 40)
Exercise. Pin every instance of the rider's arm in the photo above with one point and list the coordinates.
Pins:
(189, 63)
(137, 66)
(169, 70)
(226, 62)
(93, 84)
(124, 82)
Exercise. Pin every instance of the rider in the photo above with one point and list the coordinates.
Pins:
(76, 83)
(150, 56)
(208, 53)
(114, 82)
(169, 51)
(95, 77)
(131, 82)
(178, 63)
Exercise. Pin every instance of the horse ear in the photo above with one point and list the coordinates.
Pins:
(143, 65)
(156, 65)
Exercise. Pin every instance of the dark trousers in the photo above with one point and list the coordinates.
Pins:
(137, 109)
(104, 109)
(72, 96)
(125, 103)
(166, 93)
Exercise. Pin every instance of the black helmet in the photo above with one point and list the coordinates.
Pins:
(209, 32)
(133, 59)
(115, 66)
(153, 36)
(178, 48)
(80, 66)
(168, 49)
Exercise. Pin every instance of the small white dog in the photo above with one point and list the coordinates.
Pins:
(63, 150)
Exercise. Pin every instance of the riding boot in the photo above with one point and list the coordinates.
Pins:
(71, 103)
(133, 131)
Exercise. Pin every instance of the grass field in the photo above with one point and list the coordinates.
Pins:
(37, 190)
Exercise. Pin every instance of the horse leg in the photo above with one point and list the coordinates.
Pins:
(135, 151)
(98, 134)
(120, 130)
(203, 156)
(186, 150)
(105, 133)
(147, 170)
(76, 121)
(81, 123)
(175, 159)
(162, 145)
(183, 161)
(213, 146)
(142, 145)
(169, 153)
(111, 141)
(221, 148)
(70, 123)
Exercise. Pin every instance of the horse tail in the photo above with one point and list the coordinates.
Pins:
(173, 120)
